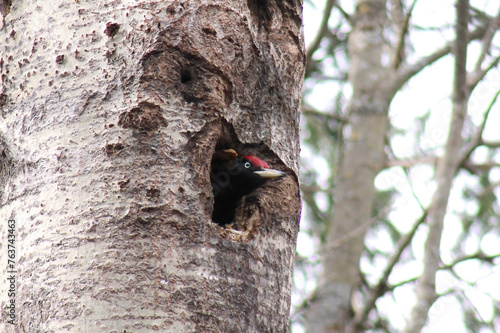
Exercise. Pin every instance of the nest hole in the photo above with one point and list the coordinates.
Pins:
(236, 172)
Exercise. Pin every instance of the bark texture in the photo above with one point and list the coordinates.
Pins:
(110, 114)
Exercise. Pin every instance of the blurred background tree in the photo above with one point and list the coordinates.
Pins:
(400, 168)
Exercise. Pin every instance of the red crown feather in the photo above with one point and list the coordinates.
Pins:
(256, 161)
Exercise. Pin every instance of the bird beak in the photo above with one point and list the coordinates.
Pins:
(270, 173)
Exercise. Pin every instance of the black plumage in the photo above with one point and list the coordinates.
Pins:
(234, 177)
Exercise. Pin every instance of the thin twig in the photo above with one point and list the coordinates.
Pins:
(477, 140)
(323, 28)
(446, 170)
(399, 50)
(479, 256)
(412, 161)
(343, 12)
(407, 72)
(307, 111)
(486, 42)
(379, 289)
(474, 79)
(313, 206)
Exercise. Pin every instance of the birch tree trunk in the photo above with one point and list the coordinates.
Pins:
(110, 114)
(363, 158)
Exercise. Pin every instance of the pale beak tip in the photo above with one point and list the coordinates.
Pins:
(270, 173)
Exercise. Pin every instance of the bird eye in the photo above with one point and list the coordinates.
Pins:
(247, 165)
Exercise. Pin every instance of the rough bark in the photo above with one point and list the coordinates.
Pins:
(110, 114)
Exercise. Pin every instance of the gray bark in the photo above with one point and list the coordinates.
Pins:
(363, 158)
(110, 114)
(445, 174)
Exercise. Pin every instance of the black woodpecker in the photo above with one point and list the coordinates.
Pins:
(232, 178)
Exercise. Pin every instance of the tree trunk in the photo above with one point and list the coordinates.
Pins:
(111, 112)
(363, 158)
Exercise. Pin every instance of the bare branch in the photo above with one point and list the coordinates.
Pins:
(486, 42)
(475, 168)
(308, 111)
(412, 162)
(398, 54)
(408, 71)
(491, 144)
(323, 28)
(313, 206)
(475, 78)
(343, 12)
(478, 137)
(391, 287)
(405, 170)
(354, 233)
(446, 170)
(478, 256)
(380, 288)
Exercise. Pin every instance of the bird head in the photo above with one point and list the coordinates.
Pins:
(252, 171)
(233, 177)
(242, 174)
